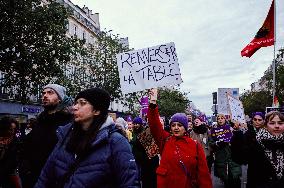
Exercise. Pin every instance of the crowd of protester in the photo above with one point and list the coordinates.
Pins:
(75, 143)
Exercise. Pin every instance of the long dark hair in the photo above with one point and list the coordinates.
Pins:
(80, 140)
(6, 125)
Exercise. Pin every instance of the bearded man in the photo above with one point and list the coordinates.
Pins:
(42, 139)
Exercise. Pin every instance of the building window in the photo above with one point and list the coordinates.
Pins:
(92, 39)
(75, 30)
(67, 27)
(84, 35)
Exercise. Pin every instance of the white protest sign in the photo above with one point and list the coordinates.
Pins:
(236, 109)
(148, 68)
(223, 106)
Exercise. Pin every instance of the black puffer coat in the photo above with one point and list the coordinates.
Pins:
(109, 163)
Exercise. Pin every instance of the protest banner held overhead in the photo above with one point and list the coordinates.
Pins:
(148, 68)
(236, 109)
(223, 106)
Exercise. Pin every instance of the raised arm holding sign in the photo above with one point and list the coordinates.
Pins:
(176, 168)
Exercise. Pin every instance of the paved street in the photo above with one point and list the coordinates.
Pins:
(217, 183)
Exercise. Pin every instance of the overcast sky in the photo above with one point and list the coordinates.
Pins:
(208, 35)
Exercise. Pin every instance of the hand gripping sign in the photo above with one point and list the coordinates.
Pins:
(148, 68)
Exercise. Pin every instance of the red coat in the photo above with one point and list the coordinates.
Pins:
(179, 156)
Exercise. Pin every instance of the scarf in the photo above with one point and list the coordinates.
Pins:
(201, 129)
(6, 140)
(4, 144)
(273, 149)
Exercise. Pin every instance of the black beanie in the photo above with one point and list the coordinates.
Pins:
(99, 98)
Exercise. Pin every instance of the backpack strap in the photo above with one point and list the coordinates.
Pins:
(194, 181)
(196, 153)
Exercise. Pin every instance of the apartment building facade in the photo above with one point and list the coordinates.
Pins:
(261, 84)
(83, 24)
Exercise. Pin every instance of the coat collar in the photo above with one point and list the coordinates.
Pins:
(184, 138)
(107, 127)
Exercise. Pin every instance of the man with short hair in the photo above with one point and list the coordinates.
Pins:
(42, 139)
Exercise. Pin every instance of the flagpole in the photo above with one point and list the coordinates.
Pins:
(274, 63)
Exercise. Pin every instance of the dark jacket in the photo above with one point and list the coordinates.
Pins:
(39, 144)
(8, 163)
(246, 150)
(147, 166)
(224, 166)
(200, 134)
(109, 163)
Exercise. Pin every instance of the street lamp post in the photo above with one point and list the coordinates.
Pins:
(214, 94)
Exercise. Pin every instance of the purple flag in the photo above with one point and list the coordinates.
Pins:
(144, 106)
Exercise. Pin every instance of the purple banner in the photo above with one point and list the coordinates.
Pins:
(144, 101)
(144, 106)
(222, 133)
(144, 111)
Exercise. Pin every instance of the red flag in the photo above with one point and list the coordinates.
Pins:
(264, 37)
(275, 102)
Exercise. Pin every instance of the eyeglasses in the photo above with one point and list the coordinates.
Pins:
(255, 119)
(81, 102)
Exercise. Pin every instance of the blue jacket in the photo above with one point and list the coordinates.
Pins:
(110, 164)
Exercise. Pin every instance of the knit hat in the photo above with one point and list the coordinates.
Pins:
(60, 90)
(138, 120)
(99, 98)
(181, 118)
(129, 119)
(199, 117)
(261, 114)
(121, 122)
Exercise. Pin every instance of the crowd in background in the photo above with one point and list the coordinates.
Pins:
(77, 144)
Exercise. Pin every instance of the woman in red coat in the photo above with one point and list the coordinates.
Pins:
(183, 163)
